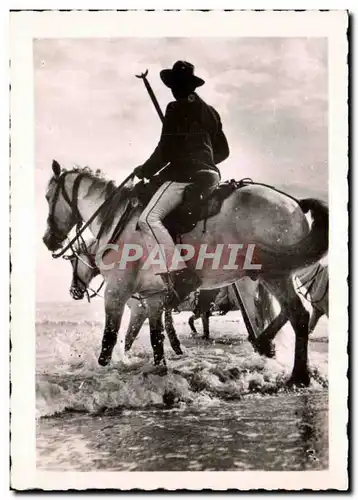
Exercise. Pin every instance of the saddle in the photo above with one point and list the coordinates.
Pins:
(191, 211)
(184, 218)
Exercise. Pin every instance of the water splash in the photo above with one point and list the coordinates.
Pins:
(225, 369)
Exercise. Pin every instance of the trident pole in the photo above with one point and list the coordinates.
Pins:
(143, 76)
(235, 286)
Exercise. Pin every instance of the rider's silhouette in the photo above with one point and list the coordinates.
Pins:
(192, 142)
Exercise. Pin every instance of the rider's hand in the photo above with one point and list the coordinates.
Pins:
(138, 172)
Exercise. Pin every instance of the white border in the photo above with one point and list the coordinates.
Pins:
(27, 25)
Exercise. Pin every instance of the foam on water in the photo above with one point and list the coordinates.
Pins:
(69, 377)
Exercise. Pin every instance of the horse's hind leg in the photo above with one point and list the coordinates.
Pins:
(206, 324)
(172, 335)
(265, 315)
(299, 319)
(156, 331)
(192, 318)
(157, 339)
(316, 314)
(285, 293)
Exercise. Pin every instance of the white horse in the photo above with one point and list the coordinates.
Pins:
(254, 214)
(84, 270)
(312, 283)
(202, 302)
(314, 287)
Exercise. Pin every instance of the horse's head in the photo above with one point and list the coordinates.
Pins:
(63, 212)
(84, 268)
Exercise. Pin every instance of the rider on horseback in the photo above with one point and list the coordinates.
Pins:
(192, 142)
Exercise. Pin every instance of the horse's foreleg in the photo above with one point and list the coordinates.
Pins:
(115, 299)
(139, 314)
(205, 320)
(172, 335)
(113, 322)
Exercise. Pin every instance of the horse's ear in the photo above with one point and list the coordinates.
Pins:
(56, 167)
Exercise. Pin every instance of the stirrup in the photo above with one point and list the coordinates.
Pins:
(171, 298)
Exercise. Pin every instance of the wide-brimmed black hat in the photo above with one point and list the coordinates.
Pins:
(182, 73)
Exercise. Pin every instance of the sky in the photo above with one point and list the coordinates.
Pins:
(271, 93)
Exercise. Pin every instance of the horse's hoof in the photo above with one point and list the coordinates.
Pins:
(205, 337)
(265, 348)
(160, 370)
(298, 381)
(178, 351)
(170, 398)
(124, 359)
(104, 360)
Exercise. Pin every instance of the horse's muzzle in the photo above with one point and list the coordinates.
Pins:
(51, 242)
(77, 293)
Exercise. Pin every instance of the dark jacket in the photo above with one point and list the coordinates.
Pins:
(192, 139)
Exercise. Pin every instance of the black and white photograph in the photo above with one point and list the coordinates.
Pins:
(185, 190)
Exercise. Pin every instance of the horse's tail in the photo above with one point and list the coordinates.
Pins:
(311, 248)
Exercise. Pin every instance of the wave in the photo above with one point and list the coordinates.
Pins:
(202, 386)
(62, 322)
(208, 374)
(69, 378)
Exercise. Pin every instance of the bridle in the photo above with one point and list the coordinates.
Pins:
(80, 227)
(59, 235)
(75, 292)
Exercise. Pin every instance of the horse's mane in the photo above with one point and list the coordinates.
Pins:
(97, 177)
(107, 188)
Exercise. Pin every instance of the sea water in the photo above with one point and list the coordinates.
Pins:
(229, 408)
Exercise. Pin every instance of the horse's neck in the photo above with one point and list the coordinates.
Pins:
(88, 204)
(93, 246)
